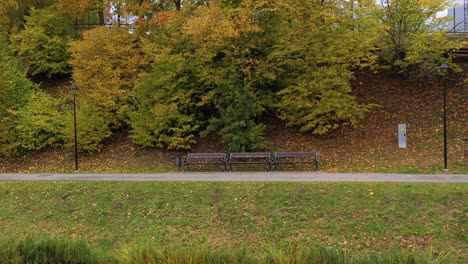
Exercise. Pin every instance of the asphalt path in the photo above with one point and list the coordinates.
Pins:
(244, 177)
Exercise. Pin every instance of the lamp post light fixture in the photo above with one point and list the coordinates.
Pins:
(444, 67)
(74, 90)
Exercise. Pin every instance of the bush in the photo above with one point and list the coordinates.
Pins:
(15, 93)
(43, 44)
(237, 124)
(92, 128)
(106, 63)
(39, 123)
(165, 111)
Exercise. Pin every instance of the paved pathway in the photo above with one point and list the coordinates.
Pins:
(245, 177)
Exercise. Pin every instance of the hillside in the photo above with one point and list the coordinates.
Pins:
(371, 146)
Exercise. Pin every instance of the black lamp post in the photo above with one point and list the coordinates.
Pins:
(74, 90)
(444, 67)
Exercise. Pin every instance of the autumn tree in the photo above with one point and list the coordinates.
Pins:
(12, 14)
(319, 46)
(233, 63)
(29, 118)
(43, 44)
(415, 40)
(15, 91)
(106, 63)
(165, 114)
(205, 78)
(165, 104)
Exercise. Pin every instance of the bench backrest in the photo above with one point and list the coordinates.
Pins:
(206, 156)
(265, 155)
(295, 154)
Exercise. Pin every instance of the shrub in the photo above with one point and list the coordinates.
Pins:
(92, 127)
(43, 44)
(165, 109)
(237, 124)
(39, 123)
(106, 63)
(15, 92)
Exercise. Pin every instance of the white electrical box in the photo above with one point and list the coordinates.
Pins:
(402, 135)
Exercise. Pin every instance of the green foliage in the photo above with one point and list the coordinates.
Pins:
(165, 96)
(325, 102)
(15, 92)
(92, 127)
(164, 116)
(195, 81)
(39, 123)
(106, 63)
(414, 41)
(315, 56)
(12, 14)
(43, 44)
(235, 70)
(237, 121)
(29, 119)
(255, 49)
(216, 66)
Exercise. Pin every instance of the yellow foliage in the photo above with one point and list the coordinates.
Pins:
(74, 8)
(213, 26)
(105, 64)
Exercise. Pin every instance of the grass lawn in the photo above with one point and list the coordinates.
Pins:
(363, 218)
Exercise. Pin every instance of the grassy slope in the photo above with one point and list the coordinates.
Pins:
(362, 217)
(371, 146)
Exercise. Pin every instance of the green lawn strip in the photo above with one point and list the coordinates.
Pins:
(362, 217)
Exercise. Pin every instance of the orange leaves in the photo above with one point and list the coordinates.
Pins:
(74, 8)
(162, 18)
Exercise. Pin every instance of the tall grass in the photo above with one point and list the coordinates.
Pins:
(46, 250)
(148, 253)
(42, 250)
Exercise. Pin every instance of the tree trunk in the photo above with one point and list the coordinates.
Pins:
(101, 17)
(178, 4)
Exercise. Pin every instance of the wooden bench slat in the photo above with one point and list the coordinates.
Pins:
(250, 155)
(250, 158)
(205, 158)
(294, 154)
(296, 157)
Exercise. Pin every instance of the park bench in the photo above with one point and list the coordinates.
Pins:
(250, 158)
(294, 158)
(205, 159)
